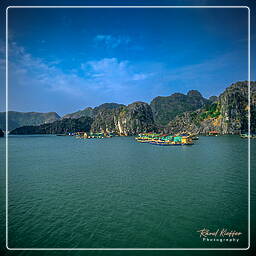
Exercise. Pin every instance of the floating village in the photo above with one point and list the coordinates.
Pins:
(152, 138)
(166, 139)
(180, 139)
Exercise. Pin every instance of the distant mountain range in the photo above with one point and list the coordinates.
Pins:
(177, 112)
(58, 127)
(18, 119)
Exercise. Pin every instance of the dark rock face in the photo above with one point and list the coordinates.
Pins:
(125, 120)
(193, 122)
(167, 108)
(1, 133)
(234, 107)
(87, 112)
(107, 106)
(18, 119)
(104, 120)
(195, 94)
(82, 124)
(135, 118)
(228, 115)
(92, 112)
(213, 99)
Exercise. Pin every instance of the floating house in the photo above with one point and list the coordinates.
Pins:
(163, 139)
(81, 135)
(91, 135)
(213, 133)
(98, 135)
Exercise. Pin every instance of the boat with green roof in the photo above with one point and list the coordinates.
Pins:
(164, 139)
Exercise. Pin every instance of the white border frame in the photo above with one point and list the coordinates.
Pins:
(129, 249)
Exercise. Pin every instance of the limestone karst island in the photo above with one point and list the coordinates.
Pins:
(172, 120)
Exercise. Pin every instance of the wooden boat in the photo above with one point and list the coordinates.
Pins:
(247, 136)
(165, 140)
(147, 137)
(213, 133)
(169, 143)
(142, 140)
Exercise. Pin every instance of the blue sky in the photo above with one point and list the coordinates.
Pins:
(64, 60)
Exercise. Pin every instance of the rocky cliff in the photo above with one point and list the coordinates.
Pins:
(18, 119)
(125, 120)
(92, 112)
(167, 108)
(234, 107)
(228, 114)
(135, 118)
(57, 127)
(81, 113)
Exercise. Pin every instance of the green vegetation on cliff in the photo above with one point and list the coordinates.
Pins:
(227, 114)
(167, 108)
(210, 110)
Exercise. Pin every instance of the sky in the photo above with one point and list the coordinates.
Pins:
(64, 60)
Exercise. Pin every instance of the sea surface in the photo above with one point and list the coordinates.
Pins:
(117, 193)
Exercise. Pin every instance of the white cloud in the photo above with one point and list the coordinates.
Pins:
(112, 74)
(109, 74)
(111, 41)
(24, 69)
(112, 78)
(137, 77)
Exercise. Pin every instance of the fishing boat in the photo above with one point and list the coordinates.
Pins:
(147, 137)
(213, 133)
(142, 140)
(160, 143)
(248, 136)
(164, 139)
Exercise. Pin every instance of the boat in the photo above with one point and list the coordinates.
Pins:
(248, 136)
(160, 143)
(142, 140)
(147, 137)
(164, 139)
(81, 135)
(213, 133)
(91, 135)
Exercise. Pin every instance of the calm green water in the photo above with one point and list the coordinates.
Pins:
(67, 192)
